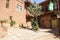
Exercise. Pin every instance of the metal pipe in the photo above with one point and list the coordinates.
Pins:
(58, 4)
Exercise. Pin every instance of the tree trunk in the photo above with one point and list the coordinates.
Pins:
(37, 25)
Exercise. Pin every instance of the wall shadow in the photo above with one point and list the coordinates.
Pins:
(55, 32)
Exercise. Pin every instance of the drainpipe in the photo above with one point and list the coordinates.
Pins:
(58, 15)
(58, 4)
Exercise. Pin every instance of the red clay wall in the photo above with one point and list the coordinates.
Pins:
(5, 13)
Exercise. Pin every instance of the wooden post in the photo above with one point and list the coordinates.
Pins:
(58, 26)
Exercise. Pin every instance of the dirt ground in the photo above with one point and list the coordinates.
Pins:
(25, 34)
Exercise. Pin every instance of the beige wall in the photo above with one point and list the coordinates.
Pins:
(5, 13)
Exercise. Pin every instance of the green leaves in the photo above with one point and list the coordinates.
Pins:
(12, 23)
(35, 9)
(34, 23)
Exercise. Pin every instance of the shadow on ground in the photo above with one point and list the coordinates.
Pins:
(53, 31)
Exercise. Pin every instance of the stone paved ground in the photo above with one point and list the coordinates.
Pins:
(25, 34)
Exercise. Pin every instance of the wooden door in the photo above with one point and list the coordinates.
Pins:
(54, 23)
(58, 23)
(45, 22)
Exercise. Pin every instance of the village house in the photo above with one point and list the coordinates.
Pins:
(18, 10)
(14, 8)
(49, 18)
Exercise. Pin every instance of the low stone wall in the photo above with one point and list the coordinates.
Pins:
(29, 25)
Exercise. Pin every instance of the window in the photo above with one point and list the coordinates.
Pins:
(7, 4)
(19, 8)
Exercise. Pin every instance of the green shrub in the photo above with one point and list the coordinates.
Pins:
(12, 23)
(34, 24)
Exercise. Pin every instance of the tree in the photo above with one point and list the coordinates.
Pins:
(35, 9)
